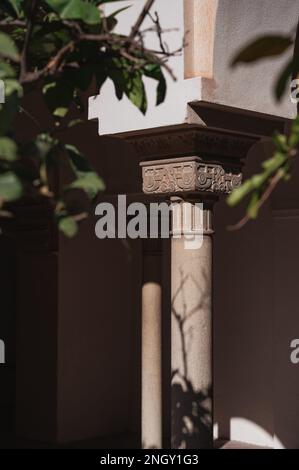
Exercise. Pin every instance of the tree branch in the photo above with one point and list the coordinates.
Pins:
(159, 31)
(265, 196)
(30, 23)
(141, 18)
(12, 23)
(107, 39)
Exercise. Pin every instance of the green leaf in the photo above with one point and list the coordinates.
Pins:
(135, 91)
(258, 180)
(76, 10)
(13, 86)
(89, 182)
(285, 171)
(273, 163)
(154, 71)
(116, 12)
(16, 5)
(8, 149)
(280, 141)
(161, 91)
(46, 148)
(87, 179)
(118, 75)
(239, 193)
(68, 226)
(45, 144)
(294, 136)
(127, 82)
(266, 46)
(10, 186)
(74, 122)
(111, 21)
(8, 48)
(60, 112)
(78, 161)
(6, 70)
(253, 206)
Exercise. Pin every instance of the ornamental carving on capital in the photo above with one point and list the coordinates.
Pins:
(191, 175)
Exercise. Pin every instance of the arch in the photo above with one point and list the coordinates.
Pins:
(218, 30)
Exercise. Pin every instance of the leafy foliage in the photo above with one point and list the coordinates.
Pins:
(63, 48)
(274, 169)
(76, 10)
(259, 187)
(8, 48)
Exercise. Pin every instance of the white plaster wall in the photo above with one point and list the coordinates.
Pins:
(250, 86)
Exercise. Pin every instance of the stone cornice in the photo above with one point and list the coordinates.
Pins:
(237, 119)
(213, 144)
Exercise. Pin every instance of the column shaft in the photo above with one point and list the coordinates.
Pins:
(191, 348)
(151, 347)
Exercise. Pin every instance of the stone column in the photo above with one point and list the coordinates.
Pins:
(191, 329)
(199, 183)
(151, 389)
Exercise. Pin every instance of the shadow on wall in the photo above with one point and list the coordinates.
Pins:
(191, 419)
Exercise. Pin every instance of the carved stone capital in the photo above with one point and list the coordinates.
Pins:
(187, 174)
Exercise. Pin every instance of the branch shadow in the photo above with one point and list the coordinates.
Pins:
(191, 413)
